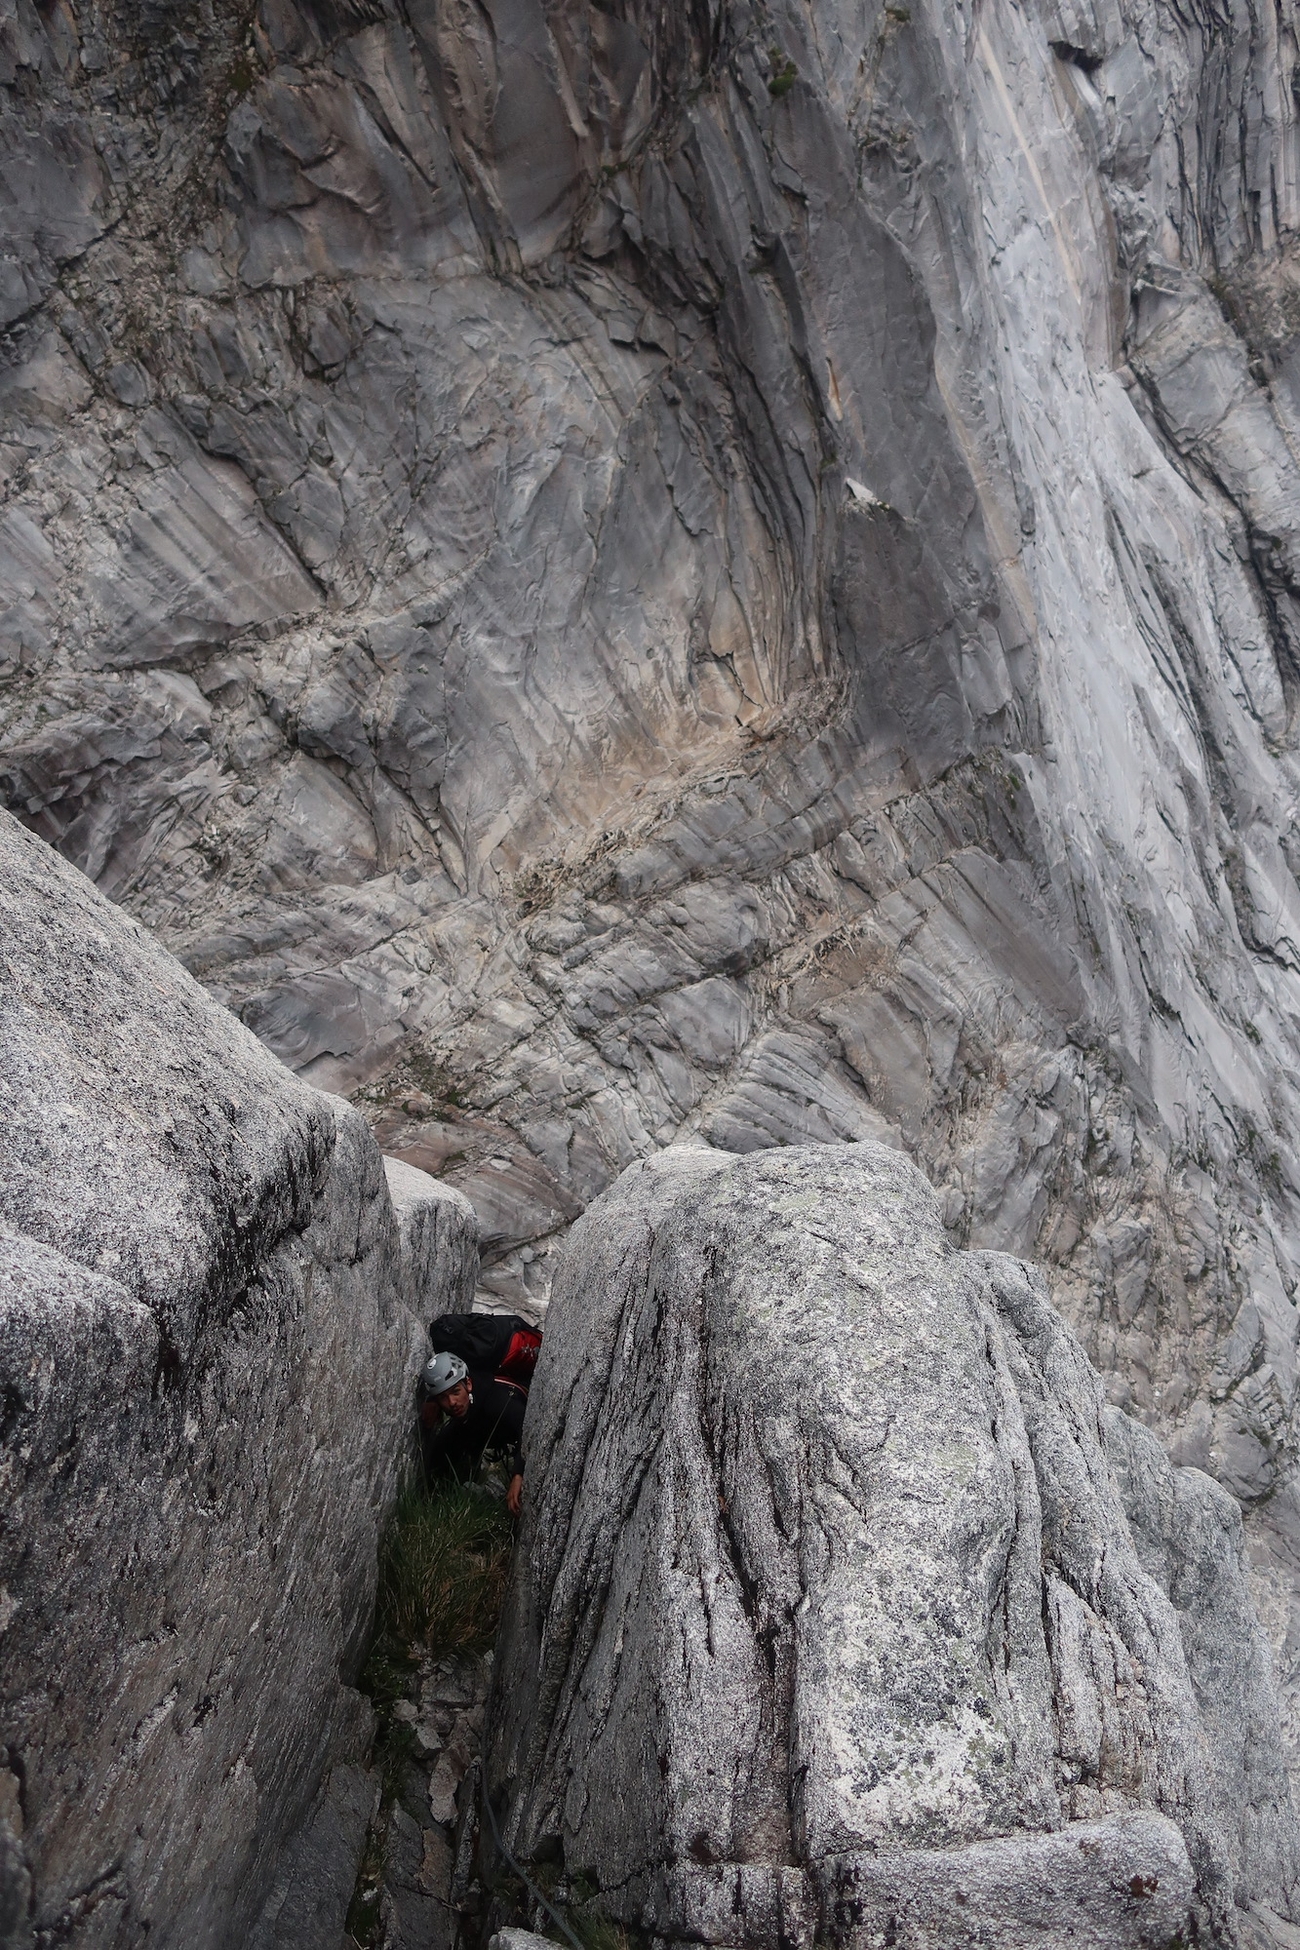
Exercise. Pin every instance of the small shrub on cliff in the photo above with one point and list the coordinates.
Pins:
(782, 73)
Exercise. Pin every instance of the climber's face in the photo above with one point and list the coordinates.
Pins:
(455, 1401)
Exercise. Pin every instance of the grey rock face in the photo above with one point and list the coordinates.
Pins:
(703, 569)
(438, 1235)
(828, 1622)
(209, 1323)
(316, 1874)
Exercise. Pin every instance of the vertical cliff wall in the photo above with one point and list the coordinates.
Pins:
(604, 573)
(207, 1348)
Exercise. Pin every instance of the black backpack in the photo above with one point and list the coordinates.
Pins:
(481, 1340)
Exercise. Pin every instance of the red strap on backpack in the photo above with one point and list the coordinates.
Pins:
(520, 1357)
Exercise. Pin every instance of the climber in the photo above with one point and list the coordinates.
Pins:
(463, 1413)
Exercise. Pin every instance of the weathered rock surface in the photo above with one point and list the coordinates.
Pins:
(520, 1940)
(604, 572)
(316, 1875)
(429, 1898)
(209, 1322)
(832, 1621)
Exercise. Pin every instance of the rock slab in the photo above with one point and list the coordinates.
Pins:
(829, 1622)
(209, 1322)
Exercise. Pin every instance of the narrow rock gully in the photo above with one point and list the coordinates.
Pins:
(431, 1875)
(843, 1611)
(417, 1885)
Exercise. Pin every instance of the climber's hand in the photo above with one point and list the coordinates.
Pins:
(515, 1495)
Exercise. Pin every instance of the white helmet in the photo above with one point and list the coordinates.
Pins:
(443, 1371)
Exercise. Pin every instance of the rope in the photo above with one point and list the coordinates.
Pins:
(527, 1881)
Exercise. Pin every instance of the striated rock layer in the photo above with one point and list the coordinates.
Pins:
(845, 1612)
(703, 568)
(209, 1320)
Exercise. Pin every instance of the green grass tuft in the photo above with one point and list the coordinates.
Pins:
(442, 1576)
(598, 1932)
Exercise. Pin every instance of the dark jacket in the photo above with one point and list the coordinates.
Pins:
(495, 1420)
